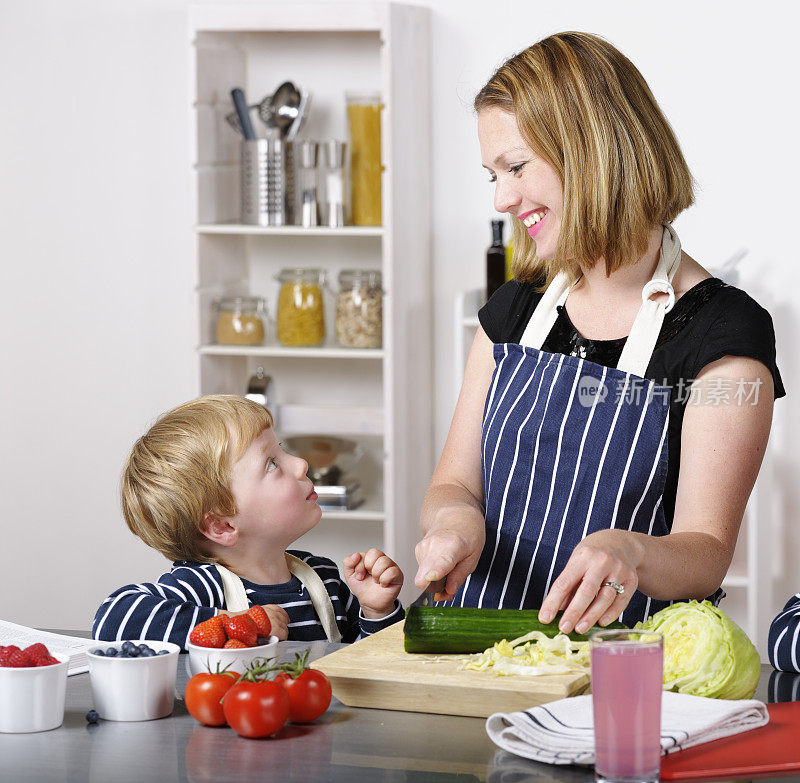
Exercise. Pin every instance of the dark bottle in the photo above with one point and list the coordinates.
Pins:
(495, 260)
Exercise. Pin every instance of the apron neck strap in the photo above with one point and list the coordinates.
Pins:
(236, 599)
(647, 326)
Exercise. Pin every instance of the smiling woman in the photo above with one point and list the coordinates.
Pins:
(617, 398)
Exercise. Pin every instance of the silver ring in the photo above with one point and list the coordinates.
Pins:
(615, 586)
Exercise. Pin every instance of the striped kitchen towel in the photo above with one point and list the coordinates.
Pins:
(562, 732)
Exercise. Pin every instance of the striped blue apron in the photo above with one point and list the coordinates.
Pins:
(570, 447)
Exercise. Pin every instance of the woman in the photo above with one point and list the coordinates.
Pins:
(578, 474)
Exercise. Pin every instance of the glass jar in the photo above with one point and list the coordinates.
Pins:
(359, 309)
(240, 320)
(301, 314)
(364, 125)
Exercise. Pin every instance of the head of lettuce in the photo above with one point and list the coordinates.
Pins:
(705, 652)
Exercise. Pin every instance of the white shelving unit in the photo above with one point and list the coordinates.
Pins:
(380, 397)
(748, 583)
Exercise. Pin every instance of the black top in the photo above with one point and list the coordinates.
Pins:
(709, 321)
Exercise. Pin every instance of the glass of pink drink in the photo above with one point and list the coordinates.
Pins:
(627, 675)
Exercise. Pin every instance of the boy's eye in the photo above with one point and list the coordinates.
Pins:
(271, 465)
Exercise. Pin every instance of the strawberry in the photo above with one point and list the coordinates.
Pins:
(208, 634)
(46, 660)
(260, 618)
(242, 628)
(37, 651)
(234, 644)
(19, 658)
(5, 653)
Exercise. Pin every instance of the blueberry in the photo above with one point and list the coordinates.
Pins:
(133, 652)
(98, 651)
(163, 652)
(92, 717)
(127, 646)
(143, 647)
(147, 653)
(111, 652)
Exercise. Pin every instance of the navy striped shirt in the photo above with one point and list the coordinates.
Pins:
(192, 592)
(784, 637)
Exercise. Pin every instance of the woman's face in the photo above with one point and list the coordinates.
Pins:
(526, 187)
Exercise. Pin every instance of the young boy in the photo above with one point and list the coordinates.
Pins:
(784, 637)
(209, 484)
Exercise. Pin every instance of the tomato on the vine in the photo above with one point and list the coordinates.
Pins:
(309, 694)
(204, 694)
(256, 709)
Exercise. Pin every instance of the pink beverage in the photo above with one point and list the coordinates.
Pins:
(627, 674)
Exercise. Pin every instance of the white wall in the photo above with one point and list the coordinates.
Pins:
(97, 309)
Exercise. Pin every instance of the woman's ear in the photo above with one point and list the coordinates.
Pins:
(219, 529)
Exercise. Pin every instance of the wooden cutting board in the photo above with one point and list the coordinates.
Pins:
(378, 672)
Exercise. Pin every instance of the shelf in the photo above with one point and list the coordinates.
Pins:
(371, 510)
(282, 352)
(290, 231)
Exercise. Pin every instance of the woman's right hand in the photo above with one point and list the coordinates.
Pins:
(450, 551)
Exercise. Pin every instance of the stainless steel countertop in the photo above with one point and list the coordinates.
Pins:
(346, 744)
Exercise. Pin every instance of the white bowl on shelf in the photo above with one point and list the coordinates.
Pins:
(32, 697)
(236, 659)
(133, 689)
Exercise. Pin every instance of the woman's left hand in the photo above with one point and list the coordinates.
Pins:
(604, 556)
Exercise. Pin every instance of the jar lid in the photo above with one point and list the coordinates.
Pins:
(289, 275)
(239, 303)
(368, 277)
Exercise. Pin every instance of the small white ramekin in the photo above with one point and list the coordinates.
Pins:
(203, 659)
(134, 688)
(32, 697)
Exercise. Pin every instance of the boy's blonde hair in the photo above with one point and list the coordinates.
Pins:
(585, 109)
(180, 470)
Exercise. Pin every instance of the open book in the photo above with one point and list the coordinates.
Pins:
(58, 644)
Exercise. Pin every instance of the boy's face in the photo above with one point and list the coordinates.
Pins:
(275, 500)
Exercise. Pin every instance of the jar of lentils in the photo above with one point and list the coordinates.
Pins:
(359, 309)
(301, 314)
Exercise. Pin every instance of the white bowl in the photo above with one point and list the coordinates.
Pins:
(134, 688)
(33, 697)
(203, 659)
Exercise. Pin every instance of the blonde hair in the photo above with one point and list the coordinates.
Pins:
(585, 109)
(180, 469)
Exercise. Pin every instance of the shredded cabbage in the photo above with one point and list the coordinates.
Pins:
(531, 655)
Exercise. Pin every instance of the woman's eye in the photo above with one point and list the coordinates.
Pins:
(516, 169)
(271, 465)
(493, 178)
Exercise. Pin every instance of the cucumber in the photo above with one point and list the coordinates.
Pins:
(447, 629)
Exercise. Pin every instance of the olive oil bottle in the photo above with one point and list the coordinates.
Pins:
(495, 260)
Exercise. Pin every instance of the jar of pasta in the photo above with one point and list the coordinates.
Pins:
(364, 125)
(301, 314)
(359, 309)
(240, 320)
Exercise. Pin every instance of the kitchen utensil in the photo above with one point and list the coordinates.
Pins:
(302, 113)
(285, 107)
(423, 599)
(243, 113)
(264, 113)
(259, 388)
(770, 749)
(377, 672)
(134, 688)
(327, 457)
(307, 176)
(333, 175)
(267, 185)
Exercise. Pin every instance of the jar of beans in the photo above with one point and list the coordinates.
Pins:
(301, 313)
(359, 309)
